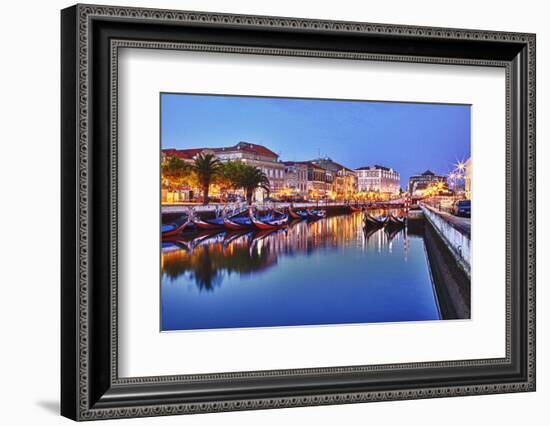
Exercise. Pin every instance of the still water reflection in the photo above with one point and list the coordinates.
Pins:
(327, 272)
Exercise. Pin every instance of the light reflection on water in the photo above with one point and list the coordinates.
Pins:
(327, 272)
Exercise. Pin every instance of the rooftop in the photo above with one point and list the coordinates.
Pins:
(293, 163)
(376, 167)
(189, 154)
(428, 173)
(248, 147)
(186, 154)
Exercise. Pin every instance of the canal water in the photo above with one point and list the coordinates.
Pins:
(330, 271)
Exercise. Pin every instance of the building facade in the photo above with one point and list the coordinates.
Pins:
(317, 185)
(341, 181)
(350, 183)
(258, 156)
(295, 178)
(468, 178)
(249, 153)
(419, 183)
(377, 179)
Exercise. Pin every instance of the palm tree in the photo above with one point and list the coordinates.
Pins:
(252, 178)
(206, 167)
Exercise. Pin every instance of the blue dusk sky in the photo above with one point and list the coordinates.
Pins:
(409, 137)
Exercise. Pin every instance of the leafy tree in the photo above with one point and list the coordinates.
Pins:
(175, 171)
(206, 167)
(229, 175)
(251, 178)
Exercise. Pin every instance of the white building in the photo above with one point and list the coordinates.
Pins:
(258, 156)
(377, 179)
(249, 153)
(468, 178)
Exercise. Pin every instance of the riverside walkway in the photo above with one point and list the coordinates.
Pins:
(212, 207)
(461, 224)
(455, 232)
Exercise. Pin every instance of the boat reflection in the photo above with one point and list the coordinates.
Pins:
(208, 257)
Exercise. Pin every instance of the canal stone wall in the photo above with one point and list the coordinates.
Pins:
(457, 241)
(451, 283)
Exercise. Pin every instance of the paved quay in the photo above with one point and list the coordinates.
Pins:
(170, 212)
(462, 224)
(199, 208)
(455, 232)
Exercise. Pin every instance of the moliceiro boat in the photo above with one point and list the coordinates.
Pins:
(209, 224)
(394, 220)
(218, 222)
(316, 214)
(173, 229)
(176, 227)
(269, 221)
(371, 220)
(297, 214)
(238, 223)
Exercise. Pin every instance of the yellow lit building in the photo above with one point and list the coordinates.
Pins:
(468, 178)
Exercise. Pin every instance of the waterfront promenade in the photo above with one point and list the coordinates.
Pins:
(454, 231)
(171, 212)
(199, 208)
(461, 224)
(212, 207)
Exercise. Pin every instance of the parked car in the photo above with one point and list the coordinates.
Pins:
(462, 208)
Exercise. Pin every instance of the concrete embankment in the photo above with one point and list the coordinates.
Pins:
(451, 283)
(448, 251)
(454, 233)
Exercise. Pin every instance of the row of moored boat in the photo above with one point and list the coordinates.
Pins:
(244, 220)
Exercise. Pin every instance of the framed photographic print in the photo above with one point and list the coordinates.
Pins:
(263, 212)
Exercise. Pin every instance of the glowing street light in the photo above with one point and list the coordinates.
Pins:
(461, 166)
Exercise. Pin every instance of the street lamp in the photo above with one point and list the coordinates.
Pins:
(452, 177)
(461, 166)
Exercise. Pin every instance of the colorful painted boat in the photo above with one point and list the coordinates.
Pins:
(269, 223)
(371, 220)
(297, 214)
(315, 214)
(397, 220)
(175, 228)
(238, 223)
(355, 208)
(209, 224)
